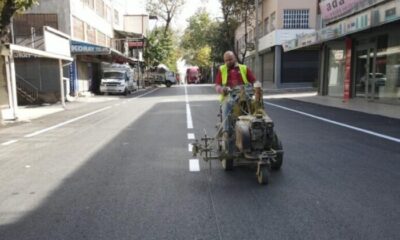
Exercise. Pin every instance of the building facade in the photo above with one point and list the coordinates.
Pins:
(360, 50)
(94, 27)
(279, 21)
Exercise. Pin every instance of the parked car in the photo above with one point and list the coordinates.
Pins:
(170, 78)
(380, 80)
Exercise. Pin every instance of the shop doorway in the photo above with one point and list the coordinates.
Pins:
(367, 80)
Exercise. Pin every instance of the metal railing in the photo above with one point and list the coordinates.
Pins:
(36, 42)
(27, 89)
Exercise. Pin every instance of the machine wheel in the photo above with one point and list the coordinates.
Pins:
(168, 84)
(262, 176)
(227, 164)
(277, 145)
(126, 92)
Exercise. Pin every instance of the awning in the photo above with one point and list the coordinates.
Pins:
(11, 48)
(120, 57)
(8, 51)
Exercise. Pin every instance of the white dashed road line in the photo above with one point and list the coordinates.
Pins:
(190, 147)
(194, 165)
(189, 117)
(191, 136)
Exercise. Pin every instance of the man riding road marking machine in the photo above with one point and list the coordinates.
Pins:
(250, 139)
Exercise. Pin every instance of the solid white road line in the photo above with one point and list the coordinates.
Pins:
(189, 117)
(9, 142)
(191, 136)
(65, 123)
(194, 165)
(186, 94)
(397, 140)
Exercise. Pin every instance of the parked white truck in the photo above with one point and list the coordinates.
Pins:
(118, 79)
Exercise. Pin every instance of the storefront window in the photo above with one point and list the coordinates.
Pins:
(336, 72)
(387, 79)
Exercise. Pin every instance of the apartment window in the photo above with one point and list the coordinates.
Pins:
(101, 39)
(108, 42)
(100, 8)
(109, 14)
(89, 3)
(266, 26)
(273, 21)
(78, 29)
(116, 17)
(91, 34)
(295, 18)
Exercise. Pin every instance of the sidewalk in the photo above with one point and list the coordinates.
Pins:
(355, 104)
(29, 113)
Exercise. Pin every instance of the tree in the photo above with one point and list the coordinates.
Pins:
(165, 9)
(245, 10)
(161, 48)
(219, 42)
(157, 48)
(234, 12)
(196, 41)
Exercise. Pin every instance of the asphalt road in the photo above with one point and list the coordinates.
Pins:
(122, 172)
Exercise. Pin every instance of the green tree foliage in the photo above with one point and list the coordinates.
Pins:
(206, 35)
(7, 9)
(219, 42)
(165, 9)
(161, 48)
(196, 40)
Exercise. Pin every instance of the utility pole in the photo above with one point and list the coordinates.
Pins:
(257, 63)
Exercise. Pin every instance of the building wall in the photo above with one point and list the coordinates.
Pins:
(136, 24)
(96, 24)
(268, 7)
(120, 12)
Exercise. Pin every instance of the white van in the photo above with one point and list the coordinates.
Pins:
(118, 79)
(170, 78)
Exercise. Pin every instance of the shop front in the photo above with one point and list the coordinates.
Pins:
(360, 52)
(376, 65)
(374, 69)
